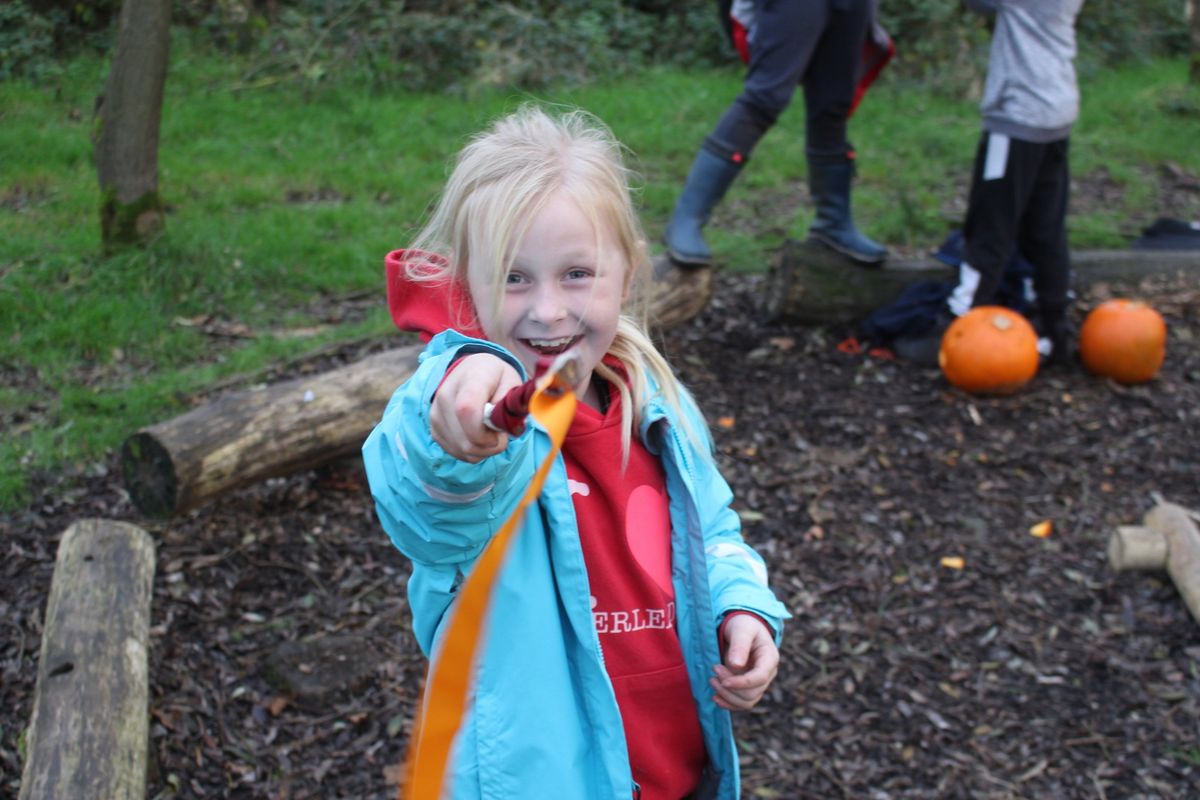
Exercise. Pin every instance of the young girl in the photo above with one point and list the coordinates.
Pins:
(629, 617)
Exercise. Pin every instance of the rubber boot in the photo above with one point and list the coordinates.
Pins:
(707, 181)
(829, 182)
(1054, 335)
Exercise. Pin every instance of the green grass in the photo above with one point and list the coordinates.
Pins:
(280, 195)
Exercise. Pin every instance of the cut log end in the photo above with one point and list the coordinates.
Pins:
(1134, 547)
(678, 293)
(150, 476)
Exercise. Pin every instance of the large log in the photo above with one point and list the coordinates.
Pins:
(248, 436)
(808, 283)
(88, 736)
(1166, 539)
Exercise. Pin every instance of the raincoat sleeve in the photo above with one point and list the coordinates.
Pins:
(438, 511)
(737, 575)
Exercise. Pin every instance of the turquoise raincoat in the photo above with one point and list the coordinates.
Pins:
(543, 716)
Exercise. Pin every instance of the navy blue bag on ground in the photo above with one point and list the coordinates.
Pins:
(917, 307)
(1169, 234)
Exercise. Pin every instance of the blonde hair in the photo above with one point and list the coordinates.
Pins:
(500, 180)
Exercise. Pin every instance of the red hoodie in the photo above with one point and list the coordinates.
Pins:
(426, 307)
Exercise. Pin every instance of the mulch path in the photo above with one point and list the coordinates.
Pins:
(1033, 671)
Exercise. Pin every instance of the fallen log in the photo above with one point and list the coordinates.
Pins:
(1166, 539)
(246, 437)
(89, 732)
(808, 283)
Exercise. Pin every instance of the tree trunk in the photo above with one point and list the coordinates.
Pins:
(1193, 11)
(89, 733)
(126, 147)
(809, 284)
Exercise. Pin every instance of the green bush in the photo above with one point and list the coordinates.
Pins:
(465, 45)
(1117, 30)
(26, 41)
(938, 43)
(462, 45)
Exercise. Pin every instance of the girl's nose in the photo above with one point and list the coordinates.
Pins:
(549, 305)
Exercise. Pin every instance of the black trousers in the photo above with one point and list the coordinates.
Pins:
(816, 44)
(1018, 202)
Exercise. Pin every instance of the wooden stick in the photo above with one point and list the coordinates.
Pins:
(1183, 550)
(88, 736)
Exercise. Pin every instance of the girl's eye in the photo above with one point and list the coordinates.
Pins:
(512, 279)
(578, 273)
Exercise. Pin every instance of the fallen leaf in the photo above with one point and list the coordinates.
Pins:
(953, 562)
(725, 422)
(782, 342)
(167, 718)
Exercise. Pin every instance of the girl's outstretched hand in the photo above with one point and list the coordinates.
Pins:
(751, 661)
(456, 415)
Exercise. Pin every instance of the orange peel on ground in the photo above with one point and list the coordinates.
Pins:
(1042, 529)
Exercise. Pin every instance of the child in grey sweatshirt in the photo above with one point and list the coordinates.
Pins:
(1020, 182)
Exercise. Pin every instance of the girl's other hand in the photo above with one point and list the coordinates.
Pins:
(751, 661)
(456, 416)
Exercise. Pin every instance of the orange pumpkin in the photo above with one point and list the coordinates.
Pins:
(1125, 340)
(989, 350)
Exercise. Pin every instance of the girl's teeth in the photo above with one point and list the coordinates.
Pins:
(551, 347)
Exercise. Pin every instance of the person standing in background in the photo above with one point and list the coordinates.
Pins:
(1020, 184)
(833, 48)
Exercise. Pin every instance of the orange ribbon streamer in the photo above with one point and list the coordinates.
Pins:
(438, 721)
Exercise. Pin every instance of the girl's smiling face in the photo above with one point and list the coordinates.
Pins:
(564, 291)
